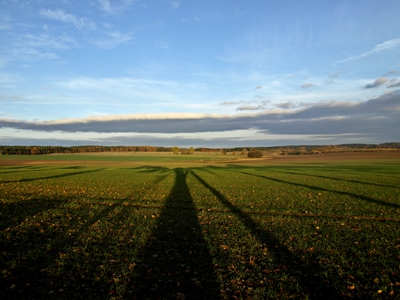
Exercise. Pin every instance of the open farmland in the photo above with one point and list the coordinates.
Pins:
(97, 227)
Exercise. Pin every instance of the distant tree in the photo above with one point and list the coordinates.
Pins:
(191, 150)
(255, 154)
(175, 149)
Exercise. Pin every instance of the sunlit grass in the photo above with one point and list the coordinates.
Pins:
(322, 231)
(123, 158)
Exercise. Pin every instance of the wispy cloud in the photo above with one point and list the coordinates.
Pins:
(391, 73)
(112, 39)
(59, 15)
(162, 45)
(132, 91)
(115, 7)
(376, 83)
(47, 42)
(287, 105)
(230, 103)
(376, 49)
(174, 4)
(250, 107)
(192, 20)
(5, 23)
(8, 79)
(112, 83)
(32, 47)
(307, 85)
(11, 97)
(335, 74)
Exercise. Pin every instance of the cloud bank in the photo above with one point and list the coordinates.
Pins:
(377, 118)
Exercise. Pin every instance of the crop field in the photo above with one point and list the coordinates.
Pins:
(304, 228)
(117, 158)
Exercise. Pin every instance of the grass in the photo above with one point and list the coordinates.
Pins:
(123, 158)
(324, 230)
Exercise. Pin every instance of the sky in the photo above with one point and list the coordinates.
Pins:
(199, 73)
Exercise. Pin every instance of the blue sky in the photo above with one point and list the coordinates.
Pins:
(199, 73)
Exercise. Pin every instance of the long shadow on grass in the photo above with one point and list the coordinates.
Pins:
(338, 179)
(51, 177)
(176, 258)
(29, 253)
(14, 212)
(19, 169)
(353, 195)
(314, 286)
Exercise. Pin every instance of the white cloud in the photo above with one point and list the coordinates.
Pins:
(59, 15)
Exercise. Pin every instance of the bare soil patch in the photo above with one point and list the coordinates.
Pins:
(12, 162)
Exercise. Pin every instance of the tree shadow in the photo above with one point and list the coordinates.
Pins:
(353, 195)
(176, 259)
(51, 177)
(338, 179)
(39, 259)
(311, 284)
(18, 169)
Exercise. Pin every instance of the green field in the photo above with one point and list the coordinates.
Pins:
(317, 229)
(122, 158)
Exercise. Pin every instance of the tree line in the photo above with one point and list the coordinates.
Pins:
(284, 150)
(37, 150)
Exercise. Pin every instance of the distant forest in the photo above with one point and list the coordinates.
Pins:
(283, 150)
